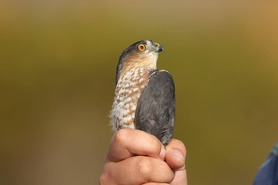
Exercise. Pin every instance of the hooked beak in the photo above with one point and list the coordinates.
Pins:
(157, 47)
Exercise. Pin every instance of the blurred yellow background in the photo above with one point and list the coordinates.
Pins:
(58, 61)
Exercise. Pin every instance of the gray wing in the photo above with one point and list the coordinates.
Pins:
(155, 110)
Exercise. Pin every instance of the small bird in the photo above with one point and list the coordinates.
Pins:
(144, 96)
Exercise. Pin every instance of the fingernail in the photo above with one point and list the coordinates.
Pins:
(162, 153)
(178, 154)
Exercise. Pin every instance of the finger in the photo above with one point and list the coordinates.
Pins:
(130, 142)
(139, 170)
(175, 154)
(154, 183)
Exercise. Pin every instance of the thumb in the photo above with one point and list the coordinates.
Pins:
(175, 155)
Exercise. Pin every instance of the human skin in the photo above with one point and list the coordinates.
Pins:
(137, 158)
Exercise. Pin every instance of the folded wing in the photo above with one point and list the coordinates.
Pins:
(155, 110)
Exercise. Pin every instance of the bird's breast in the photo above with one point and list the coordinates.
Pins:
(128, 90)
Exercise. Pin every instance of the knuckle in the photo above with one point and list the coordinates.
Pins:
(121, 136)
(144, 166)
(105, 177)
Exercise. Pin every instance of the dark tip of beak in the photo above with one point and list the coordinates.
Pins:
(160, 48)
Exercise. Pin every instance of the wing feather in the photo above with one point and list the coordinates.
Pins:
(155, 111)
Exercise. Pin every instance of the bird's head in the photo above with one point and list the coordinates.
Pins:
(141, 54)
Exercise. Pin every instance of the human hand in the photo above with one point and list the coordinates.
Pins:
(136, 157)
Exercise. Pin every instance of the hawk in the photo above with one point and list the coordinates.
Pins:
(144, 96)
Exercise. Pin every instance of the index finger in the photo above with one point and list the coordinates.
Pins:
(130, 142)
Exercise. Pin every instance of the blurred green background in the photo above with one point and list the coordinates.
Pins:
(58, 61)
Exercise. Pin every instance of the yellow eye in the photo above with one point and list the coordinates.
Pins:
(141, 47)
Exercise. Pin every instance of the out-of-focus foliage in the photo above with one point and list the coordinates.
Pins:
(58, 61)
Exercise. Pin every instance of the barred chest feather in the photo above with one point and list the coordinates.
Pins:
(128, 90)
